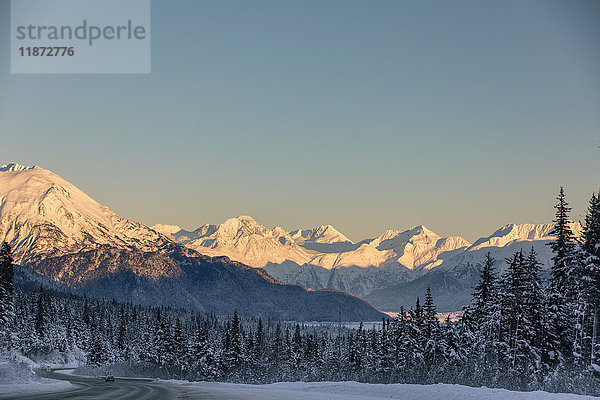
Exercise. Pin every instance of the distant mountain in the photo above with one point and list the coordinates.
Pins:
(323, 234)
(323, 239)
(323, 257)
(241, 239)
(512, 233)
(245, 240)
(60, 236)
(393, 258)
(415, 249)
(391, 270)
(452, 281)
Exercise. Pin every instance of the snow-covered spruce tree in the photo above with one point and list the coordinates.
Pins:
(590, 293)
(564, 249)
(429, 314)
(6, 292)
(297, 353)
(385, 355)
(416, 367)
(485, 297)
(403, 343)
(203, 357)
(457, 352)
(434, 346)
(521, 358)
(233, 356)
(535, 298)
(535, 313)
(482, 325)
(562, 289)
(176, 348)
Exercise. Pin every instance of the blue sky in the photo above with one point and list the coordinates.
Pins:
(368, 115)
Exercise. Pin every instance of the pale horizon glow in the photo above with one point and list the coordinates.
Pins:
(461, 116)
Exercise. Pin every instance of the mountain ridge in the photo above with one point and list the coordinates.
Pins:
(43, 216)
(59, 232)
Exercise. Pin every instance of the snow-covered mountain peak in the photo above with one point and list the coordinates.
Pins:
(240, 226)
(416, 249)
(243, 239)
(279, 231)
(519, 232)
(240, 222)
(421, 230)
(15, 167)
(166, 229)
(41, 214)
(322, 234)
(394, 238)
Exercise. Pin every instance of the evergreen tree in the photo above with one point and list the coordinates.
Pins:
(429, 312)
(563, 247)
(417, 315)
(485, 296)
(434, 345)
(297, 346)
(277, 346)
(234, 357)
(122, 337)
(590, 294)
(6, 292)
(562, 288)
(40, 316)
(259, 342)
(517, 361)
(204, 360)
(535, 316)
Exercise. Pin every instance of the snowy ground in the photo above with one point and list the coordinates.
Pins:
(355, 390)
(34, 387)
(94, 388)
(17, 378)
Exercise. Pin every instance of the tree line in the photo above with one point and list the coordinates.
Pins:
(518, 332)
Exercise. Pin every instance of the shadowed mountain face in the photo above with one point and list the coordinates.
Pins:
(180, 277)
(450, 289)
(452, 282)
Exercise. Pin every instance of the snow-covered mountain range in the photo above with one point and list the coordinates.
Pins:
(385, 270)
(245, 240)
(241, 239)
(43, 216)
(64, 239)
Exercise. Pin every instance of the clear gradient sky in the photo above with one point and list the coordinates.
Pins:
(367, 115)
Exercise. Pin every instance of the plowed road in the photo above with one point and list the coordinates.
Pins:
(88, 388)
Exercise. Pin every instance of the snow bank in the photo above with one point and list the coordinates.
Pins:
(355, 390)
(41, 386)
(17, 378)
(11, 372)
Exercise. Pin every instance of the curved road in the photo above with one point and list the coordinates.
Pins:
(89, 388)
